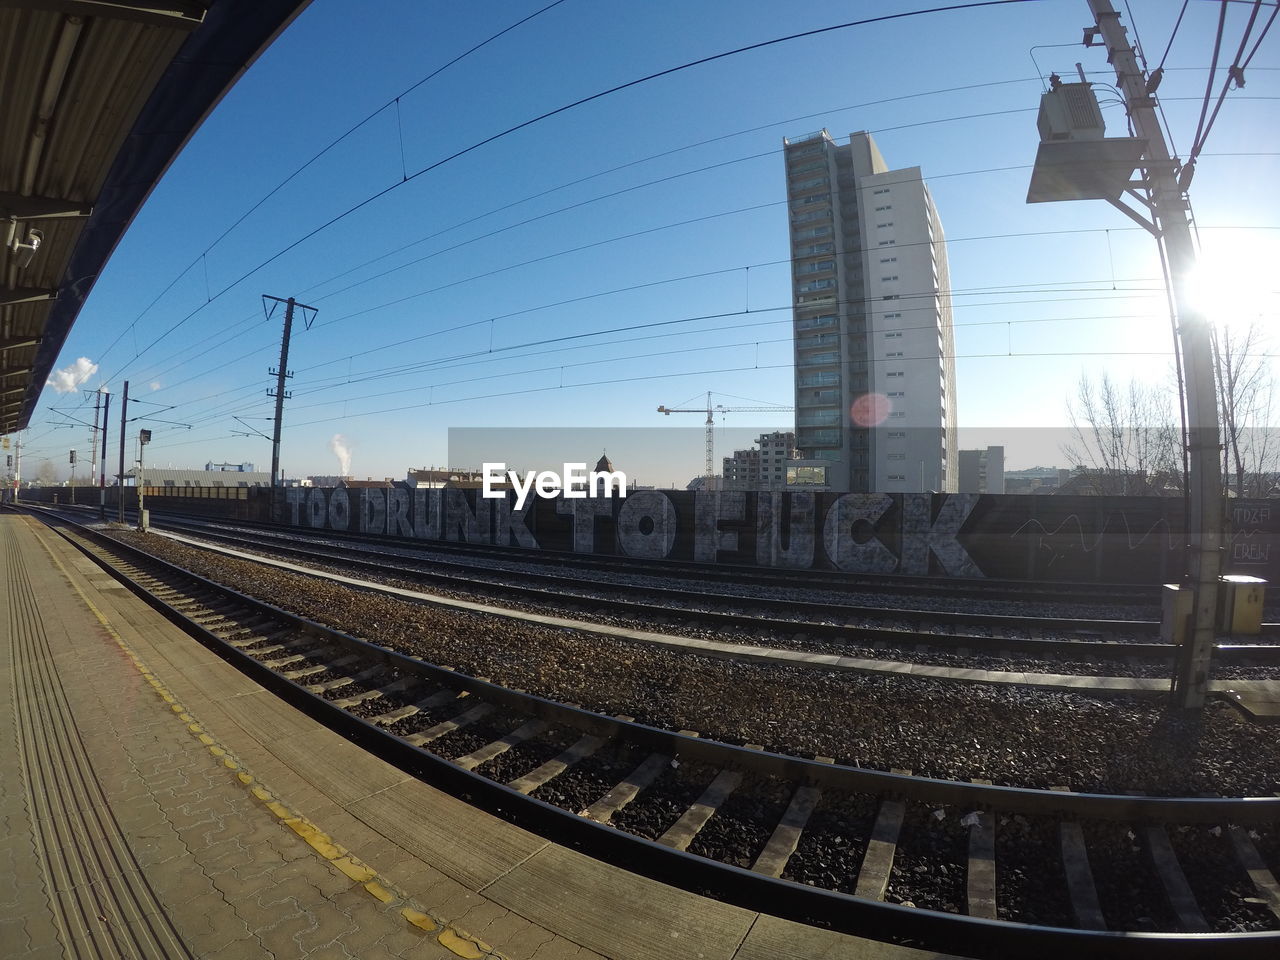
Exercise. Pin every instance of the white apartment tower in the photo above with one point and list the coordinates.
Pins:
(874, 348)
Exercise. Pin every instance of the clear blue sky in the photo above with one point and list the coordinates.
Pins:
(586, 222)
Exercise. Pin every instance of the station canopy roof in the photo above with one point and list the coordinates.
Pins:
(96, 99)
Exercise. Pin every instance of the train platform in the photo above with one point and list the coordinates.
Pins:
(158, 804)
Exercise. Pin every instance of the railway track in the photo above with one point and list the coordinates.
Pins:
(898, 585)
(834, 625)
(957, 866)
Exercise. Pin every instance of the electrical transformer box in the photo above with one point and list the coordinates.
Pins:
(1070, 112)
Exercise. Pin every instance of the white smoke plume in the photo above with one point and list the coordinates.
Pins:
(340, 450)
(69, 378)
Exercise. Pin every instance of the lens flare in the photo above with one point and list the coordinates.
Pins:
(870, 409)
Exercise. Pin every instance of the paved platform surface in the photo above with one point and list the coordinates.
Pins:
(155, 803)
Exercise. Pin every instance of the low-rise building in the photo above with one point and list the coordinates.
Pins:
(169, 477)
(982, 471)
(764, 466)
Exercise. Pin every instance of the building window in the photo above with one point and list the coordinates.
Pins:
(888, 259)
(887, 279)
(890, 296)
(897, 476)
(887, 223)
(813, 285)
(895, 353)
(895, 373)
(896, 456)
(813, 182)
(898, 414)
(893, 316)
(886, 207)
(810, 216)
(897, 393)
(893, 334)
(897, 434)
(886, 243)
(880, 190)
(820, 231)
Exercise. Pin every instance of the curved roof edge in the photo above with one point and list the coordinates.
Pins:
(233, 35)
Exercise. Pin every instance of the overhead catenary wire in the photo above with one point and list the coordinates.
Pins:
(1235, 75)
(444, 363)
(929, 178)
(666, 153)
(617, 88)
(320, 153)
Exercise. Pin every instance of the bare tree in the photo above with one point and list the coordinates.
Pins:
(1124, 441)
(47, 474)
(1246, 404)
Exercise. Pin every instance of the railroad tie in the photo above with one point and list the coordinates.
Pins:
(280, 662)
(525, 731)
(556, 765)
(786, 835)
(626, 791)
(303, 672)
(361, 677)
(873, 876)
(395, 686)
(438, 699)
(464, 719)
(1176, 889)
(1264, 880)
(981, 890)
(1080, 884)
(682, 832)
(253, 638)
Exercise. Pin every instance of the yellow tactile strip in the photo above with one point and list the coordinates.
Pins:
(338, 857)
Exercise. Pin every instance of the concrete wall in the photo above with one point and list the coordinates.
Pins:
(1103, 539)
(1106, 539)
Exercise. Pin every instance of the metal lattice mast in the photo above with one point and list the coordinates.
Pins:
(281, 373)
(1170, 215)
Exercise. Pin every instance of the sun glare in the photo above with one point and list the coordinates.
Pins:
(1235, 282)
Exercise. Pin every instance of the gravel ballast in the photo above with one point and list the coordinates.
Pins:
(945, 729)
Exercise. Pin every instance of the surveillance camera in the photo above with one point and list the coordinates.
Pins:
(23, 253)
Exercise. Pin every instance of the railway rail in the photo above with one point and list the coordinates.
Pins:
(976, 869)
(1080, 639)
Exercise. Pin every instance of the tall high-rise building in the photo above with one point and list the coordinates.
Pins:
(875, 374)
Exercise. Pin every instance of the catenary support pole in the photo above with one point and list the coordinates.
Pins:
(1170, 211)
(124, 419)
(281, 373)
(93, 445)
(102, 475)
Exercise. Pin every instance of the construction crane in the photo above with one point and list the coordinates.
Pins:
(711, 411)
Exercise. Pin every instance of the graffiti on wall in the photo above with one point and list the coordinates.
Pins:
(958, 535)
(1249, 540)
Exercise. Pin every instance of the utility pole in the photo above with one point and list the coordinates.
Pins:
(1169, 211)
(281, 373)
(102, 474)
(124, 419)
(93, 443)
(144, 437)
